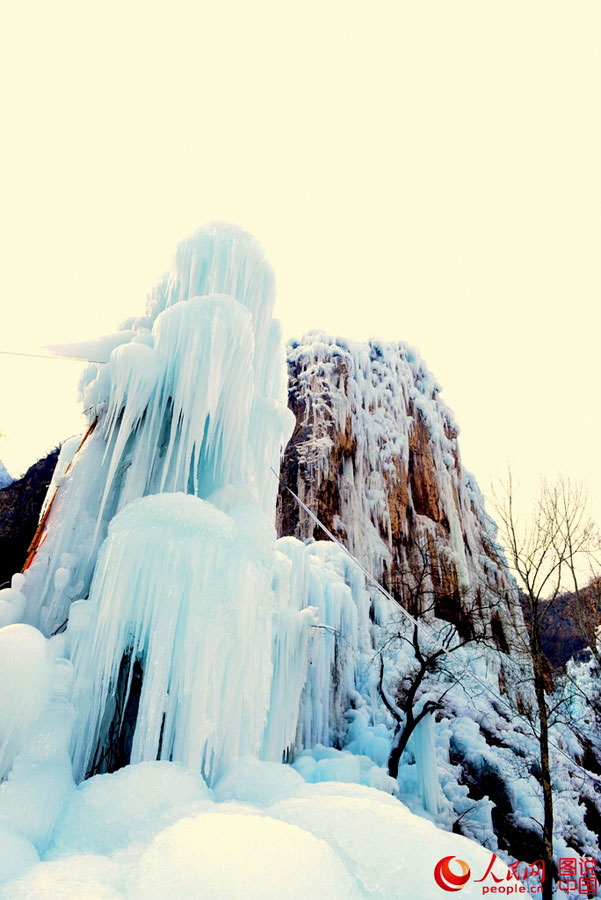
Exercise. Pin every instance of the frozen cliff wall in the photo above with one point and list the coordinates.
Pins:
(375, 454)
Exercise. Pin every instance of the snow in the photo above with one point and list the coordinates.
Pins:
(260, 783)
(108, 812)
(24, 684)
(229, 857)
(153, 830)
(383, 845)
(17, 854)
(79, 877)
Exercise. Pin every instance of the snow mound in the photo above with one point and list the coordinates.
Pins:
(109, 811)
(24, 681)
(17, 854)
(153, 831)
(257, 782)
(80, 877)
(233, 856)
(387, 849)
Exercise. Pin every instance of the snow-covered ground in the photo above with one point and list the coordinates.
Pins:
(153, 831)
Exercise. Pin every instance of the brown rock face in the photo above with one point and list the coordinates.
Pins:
(422, 473)
(20, 505)
(570, 624)
(374, 454)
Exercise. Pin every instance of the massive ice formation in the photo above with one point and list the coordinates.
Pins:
(192, 400)
(158, 548)
(185, 589)
(192, 634)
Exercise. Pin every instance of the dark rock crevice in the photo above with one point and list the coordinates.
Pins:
(20, 505)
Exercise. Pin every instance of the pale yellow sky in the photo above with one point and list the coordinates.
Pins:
(418, 171)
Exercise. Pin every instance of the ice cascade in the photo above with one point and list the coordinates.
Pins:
(157, 551)
(192, 634)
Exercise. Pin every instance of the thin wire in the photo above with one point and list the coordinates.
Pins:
(52, 356)
(424, 628)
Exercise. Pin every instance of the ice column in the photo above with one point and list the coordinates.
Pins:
(184, 588)
(179, 622)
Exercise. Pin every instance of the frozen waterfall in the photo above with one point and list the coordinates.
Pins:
(192, 634)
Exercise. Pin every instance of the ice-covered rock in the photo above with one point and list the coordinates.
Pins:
(375, 455)
(5, 477)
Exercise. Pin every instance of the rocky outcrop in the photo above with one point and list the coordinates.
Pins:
(375, 454)
(5, 477)
(570, 624)
(20, 505)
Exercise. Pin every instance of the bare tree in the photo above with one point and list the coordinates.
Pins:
(404, 710)
(417, 591)
(542, 554)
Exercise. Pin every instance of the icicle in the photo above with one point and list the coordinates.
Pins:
(425, 757)
(179, 587)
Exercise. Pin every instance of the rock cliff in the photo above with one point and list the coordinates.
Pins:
(20, 505)
(375, 454)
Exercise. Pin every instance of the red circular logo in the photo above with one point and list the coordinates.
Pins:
(448, 880)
